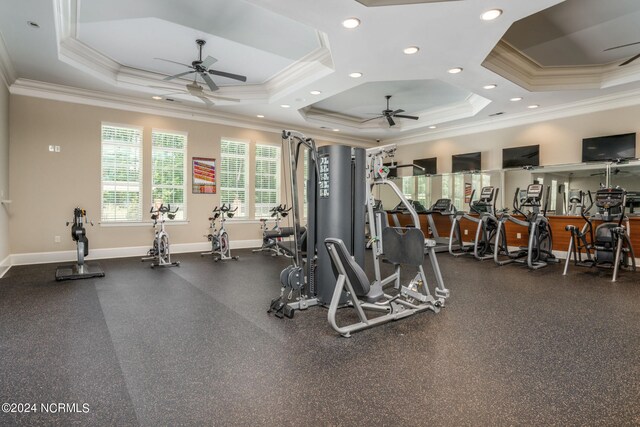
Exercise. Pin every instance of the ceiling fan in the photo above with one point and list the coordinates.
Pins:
(389, 114)
(628, 61)
(201, 68)
(194, 89)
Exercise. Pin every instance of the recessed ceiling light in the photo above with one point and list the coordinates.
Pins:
(33, 24)
(533, 106)
(315, 92)
(336, 130)
(156, 97)
(455, 70)
(351, 23)
(490, 15)
(260, 116)
(355, 75)
(432, 127)
(516, 99)
(411, 50)
(491, 86)
(285, 105)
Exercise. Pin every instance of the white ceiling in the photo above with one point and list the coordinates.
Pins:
(287, 48)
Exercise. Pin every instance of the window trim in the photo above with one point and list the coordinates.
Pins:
(278, 189)
(141, 197)
(185, 165)
(247, 143)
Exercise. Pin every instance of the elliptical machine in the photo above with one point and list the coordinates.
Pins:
(539, 251)
(79, 270)
(610, 246)
(159, 254)
(220, 238)
(487, 222)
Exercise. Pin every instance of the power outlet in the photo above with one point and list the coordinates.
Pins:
(56, 148)
(519, 235)
(466, 232)
(56, 239)
(52, 148)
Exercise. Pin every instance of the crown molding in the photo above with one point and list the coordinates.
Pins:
(311, 67)
(510, 63)
(61, 93)
(593, 105)
(7, 72)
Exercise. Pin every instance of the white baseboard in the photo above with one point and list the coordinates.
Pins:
(106, 253)
(5, 265)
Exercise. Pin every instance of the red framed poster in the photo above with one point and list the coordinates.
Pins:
(204, 175)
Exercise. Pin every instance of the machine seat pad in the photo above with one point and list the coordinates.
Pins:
(403, 245)
(283, 232)
(356, 275)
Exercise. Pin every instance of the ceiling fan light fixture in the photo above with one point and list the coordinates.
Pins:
(411, 50)
(491, 86)
(455, 70)
(315, 92)
(351, 23)
(355, 75)
(516, 99)
(490, 15)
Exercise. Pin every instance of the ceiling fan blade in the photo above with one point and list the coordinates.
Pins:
(229, 75)
(629, 61)
(622, 45)
(393, 113)
(390, 120)
(402, 116)
(374, 118)
(175, 76)
(208, 61)
(223, 98)
(174, 62)
(209, 82)
(205, 100)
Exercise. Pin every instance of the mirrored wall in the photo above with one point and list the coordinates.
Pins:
(560, 179)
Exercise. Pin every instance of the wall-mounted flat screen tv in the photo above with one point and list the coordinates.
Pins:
(518, 157)
(612, 147)
(466, 162)
(430, 166)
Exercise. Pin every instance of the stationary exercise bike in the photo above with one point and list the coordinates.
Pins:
(80, 270)
(272, 238)
(220, 238)
(609, 246)
(159, 254)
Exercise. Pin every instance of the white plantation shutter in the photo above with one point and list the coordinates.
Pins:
(267, 179)
(121, 176)
(168, 170)
(234, 159)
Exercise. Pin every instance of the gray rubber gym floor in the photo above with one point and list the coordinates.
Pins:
(194, 346)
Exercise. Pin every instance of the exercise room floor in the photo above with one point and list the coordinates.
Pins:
(194, 346)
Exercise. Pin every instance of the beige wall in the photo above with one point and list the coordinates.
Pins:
(560, 140)
(4, 171)
(46, 186)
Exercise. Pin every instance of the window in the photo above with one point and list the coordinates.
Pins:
(121, 175)
(446, 186)
(267, 179)
(168, 171)
(234, 157)
(458, 191)
(424, 190)
(408, 187)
